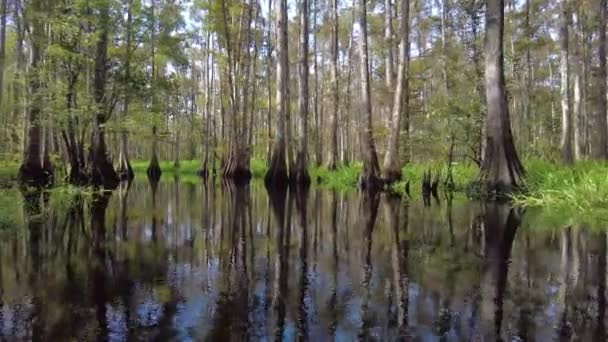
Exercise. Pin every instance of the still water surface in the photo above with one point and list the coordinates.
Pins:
(189, 262)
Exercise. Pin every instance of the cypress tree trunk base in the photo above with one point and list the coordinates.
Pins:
(391, 176)
(77, 176)
(501, 172)
(236, 170)
(300, 175)
(371, 183)
(103, 174)
(154, 172)
(34, 176)
(277, 175)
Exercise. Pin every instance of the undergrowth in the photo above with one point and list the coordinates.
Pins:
(580, 190)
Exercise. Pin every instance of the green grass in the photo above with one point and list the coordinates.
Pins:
(11, 207)
(8, 173)
(579, 191)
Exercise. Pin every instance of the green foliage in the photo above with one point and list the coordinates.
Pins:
(258, 168)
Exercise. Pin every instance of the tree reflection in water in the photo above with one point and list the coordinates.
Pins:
(179, 261)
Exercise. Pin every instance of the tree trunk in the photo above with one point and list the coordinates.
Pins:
(3, 15)
(269, 83)
(277, 172)
(392, 160)
(317, 118)
(125, 171)
(529, 79)
(301, 168)
(31, 171)
(600, 143)
(577, 102)
(501, 170)
(388, 40)
(564, 69)
(369, 177)
(333, 156)
(154, 172)
(101, 170)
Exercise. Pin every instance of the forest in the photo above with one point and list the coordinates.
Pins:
(93, 93)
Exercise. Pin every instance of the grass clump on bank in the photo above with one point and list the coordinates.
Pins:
(580, 190)
(8, 173)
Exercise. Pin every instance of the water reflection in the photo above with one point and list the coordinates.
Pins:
(179, 261)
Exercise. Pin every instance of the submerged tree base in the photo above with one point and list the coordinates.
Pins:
(35, 176)
(154, 172)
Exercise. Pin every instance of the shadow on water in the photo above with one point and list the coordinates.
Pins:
(176, 261)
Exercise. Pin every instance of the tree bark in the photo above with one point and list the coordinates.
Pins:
(301, 168)
(501, 170)
(154, 172)
(577, 103)
(369, 177)
(31, 171)
(564, 69)
(392, 160)
(388, 40)
(3, 15)
(125, 171)
(600, 144)
(101, 170)
(277, 174)
(333, 155)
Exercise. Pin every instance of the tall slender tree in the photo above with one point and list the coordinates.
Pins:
(392, 161)
(301, 168)
(125, 171)
(32, 171)
(3, 15)
(101, 170)
(277, 172)
(371, 168)
(333, 153)
(501, 170)
(564, 68)
(600, 148)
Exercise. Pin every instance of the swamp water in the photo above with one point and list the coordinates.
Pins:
(181, 261)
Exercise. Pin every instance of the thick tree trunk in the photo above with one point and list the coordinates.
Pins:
(301, 168)
(333, 155)
(501, 170)
(154, 172)
(564, 69)
(600, 145)
(101, 171)
(371, 169)
(392, 160)
(277, 174)
(31, 171)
